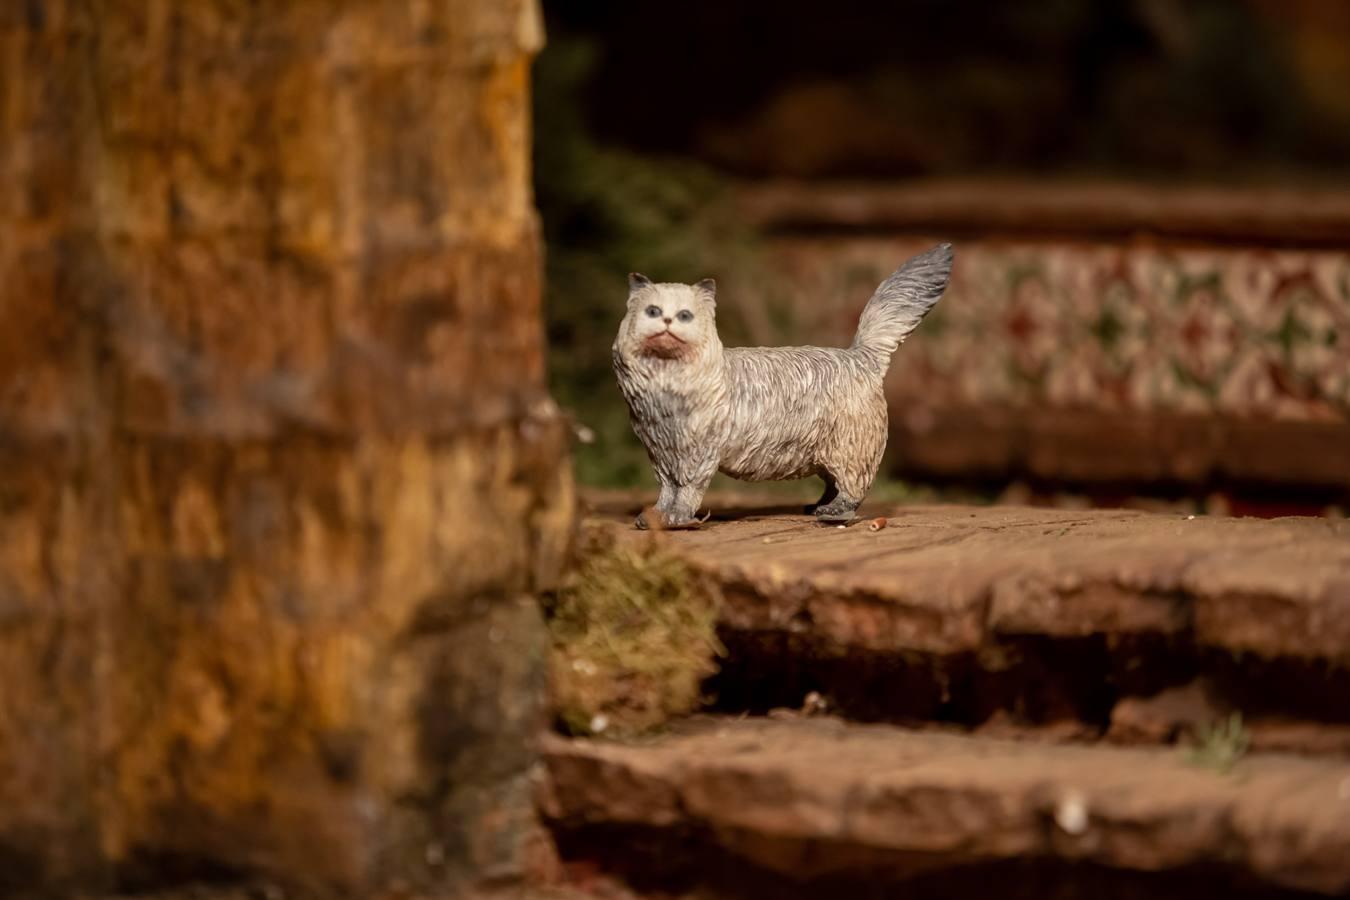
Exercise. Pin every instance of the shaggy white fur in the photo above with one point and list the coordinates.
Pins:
(763, 413)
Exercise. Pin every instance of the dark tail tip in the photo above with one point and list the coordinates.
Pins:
(935, 260)
(940, 256)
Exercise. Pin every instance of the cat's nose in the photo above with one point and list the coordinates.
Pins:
(667, 321)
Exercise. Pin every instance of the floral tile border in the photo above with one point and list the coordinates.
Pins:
(1124, 328)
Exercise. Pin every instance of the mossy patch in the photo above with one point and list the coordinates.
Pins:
(1219, 745)
(634, 636)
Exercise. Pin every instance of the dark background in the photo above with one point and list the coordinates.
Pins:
(647, 114)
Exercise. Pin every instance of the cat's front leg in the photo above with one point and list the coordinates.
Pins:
(680, 498)
(664, 503)
(688, 498)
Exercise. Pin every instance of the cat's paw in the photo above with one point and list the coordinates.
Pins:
(836, 512)
(653, 519)
(688, 523)
(650, 519)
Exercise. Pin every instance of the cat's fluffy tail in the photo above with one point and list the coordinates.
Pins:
(901, 302)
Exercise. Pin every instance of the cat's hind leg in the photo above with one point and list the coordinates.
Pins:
(841, 509)
(851, 456)
(849, 488)
(831, 492)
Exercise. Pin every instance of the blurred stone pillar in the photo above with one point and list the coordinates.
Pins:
(279, 475)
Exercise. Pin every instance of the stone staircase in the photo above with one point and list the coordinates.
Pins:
(969, 696)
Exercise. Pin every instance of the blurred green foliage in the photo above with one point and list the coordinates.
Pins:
(607, 212)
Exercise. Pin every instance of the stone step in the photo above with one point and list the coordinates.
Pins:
(963, 614)
(1095, 335)
(1077, 211)
(767, 808)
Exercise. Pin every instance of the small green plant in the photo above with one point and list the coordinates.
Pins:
(634, 636)
(1219, 745)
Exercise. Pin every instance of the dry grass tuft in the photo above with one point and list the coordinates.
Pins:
(634, 636)
(1219, 745)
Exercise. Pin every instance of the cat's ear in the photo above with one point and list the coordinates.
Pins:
(708, 288)
(637, 281)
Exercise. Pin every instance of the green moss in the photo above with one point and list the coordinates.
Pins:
(634, 636)
(1219, 745)
(606, 212)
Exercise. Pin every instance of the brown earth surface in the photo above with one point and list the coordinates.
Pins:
(820, 802)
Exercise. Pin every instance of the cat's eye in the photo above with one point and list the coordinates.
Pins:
(685, 316)
(653, 312)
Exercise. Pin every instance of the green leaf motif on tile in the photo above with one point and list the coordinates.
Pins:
(1108, 328)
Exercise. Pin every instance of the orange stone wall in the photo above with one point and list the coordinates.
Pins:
(279, 476)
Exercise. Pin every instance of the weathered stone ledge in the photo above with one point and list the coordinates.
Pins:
(818, 799)
(1033, 617)
(947, 579)
(1308, 217)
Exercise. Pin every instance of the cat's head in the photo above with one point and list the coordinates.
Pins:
(669, 321)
